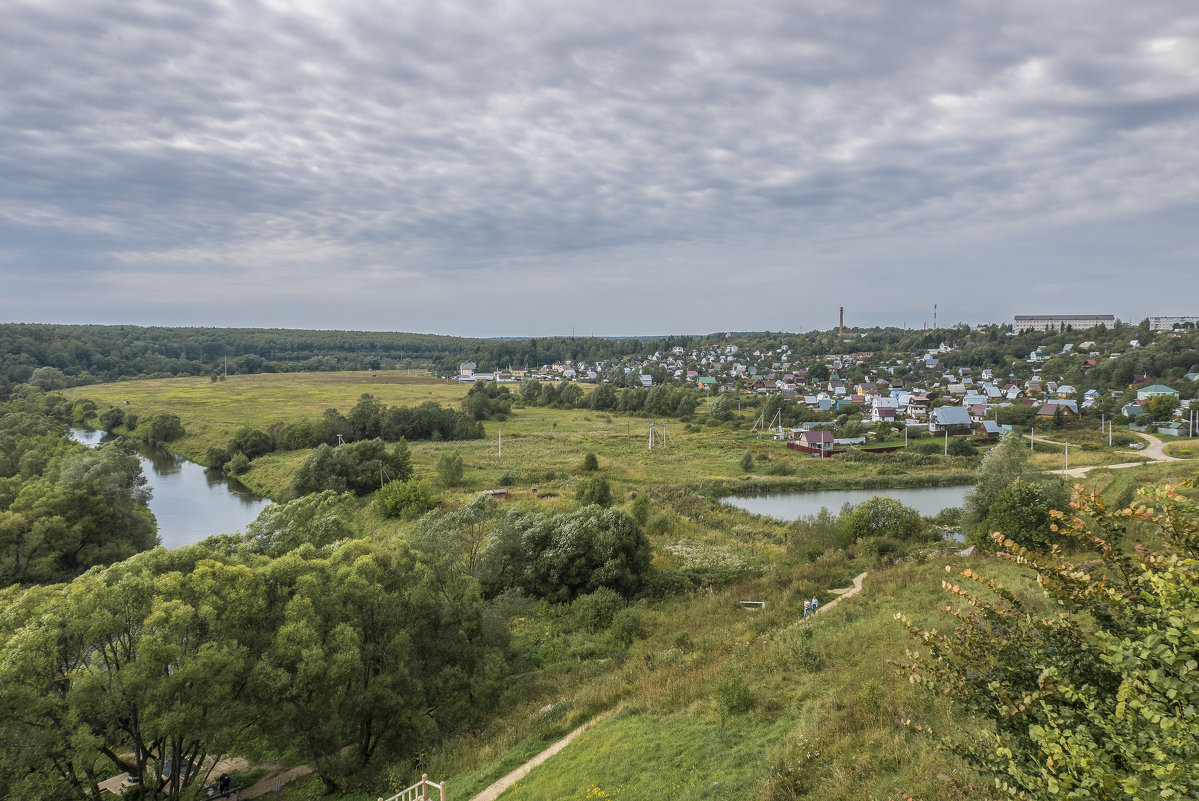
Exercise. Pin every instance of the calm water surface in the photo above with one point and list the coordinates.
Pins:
(190, 502)
(792, 505)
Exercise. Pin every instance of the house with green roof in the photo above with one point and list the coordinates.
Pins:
(1154, 390)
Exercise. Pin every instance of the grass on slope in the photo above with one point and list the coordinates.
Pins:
(827, 716)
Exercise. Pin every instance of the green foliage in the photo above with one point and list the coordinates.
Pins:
(721, 409)
(733, 696)
(812, 535)
(530, 390)
(252, 442)
(404, 499)
(111, 418)
(1161, 407)
(594, 611)
(659, 524)
(462, 543)
(450, 468)
(215, 458)
(64, 507)
(1020, 512)
(359, 467)
(594, 490)
(882, 517)
(485, 401)
(238, 463)
(319, 519)
(590, 463)
(628, 626)
(1003, 464)
(560, 557)
(349, 654)
(961, 447)
(747, 462)
(48, 378)
(163, 428)
(1097, 699)
(1016, 415)
(640, 508)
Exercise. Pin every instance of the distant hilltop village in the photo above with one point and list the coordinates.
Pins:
(1058, 322)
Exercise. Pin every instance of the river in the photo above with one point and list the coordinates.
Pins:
(792, 505)
(190, 502)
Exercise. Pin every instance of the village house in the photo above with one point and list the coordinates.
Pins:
(1048, 412)
(1154, 390)
(953, 419)
(820, 439)
(987, 429)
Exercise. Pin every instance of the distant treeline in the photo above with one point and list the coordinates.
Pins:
(79, 354)
(70, 355)
(58, 356)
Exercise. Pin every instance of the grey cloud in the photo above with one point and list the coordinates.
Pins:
(500, 143)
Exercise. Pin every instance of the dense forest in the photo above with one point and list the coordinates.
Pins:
(58, 356)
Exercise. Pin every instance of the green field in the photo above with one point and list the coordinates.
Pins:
(825, 716)
(542, 448)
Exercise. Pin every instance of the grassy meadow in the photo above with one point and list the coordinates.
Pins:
(541, 447)
(709, 700)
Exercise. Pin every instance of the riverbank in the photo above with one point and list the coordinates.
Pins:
(189, 502)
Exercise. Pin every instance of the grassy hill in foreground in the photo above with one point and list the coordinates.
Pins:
(745, 705)
(713, 700)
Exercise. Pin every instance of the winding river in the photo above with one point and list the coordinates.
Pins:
(190, 502)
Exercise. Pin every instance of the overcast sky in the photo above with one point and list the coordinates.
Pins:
(616, 167)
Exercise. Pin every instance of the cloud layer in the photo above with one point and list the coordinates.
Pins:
(619, 167)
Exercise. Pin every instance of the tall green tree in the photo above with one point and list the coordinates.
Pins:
(139, 667)
(1003, 464)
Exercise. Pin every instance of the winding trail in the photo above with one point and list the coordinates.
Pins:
(493, 791)
(1155, 450)
(842, 594)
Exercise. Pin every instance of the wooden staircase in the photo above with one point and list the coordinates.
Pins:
(420, 791)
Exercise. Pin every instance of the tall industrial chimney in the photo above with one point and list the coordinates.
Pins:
(841, 326)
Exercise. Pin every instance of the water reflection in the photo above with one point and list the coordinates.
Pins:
(190, 502)
(792, 505)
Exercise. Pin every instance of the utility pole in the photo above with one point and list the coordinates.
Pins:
(1066, 463)
(1032, 438)
(947, 442)
(501, 442)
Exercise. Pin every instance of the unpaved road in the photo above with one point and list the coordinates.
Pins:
(1155, 450)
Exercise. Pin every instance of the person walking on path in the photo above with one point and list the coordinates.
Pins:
(807, 608)
(815, 604)
(224, 783)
